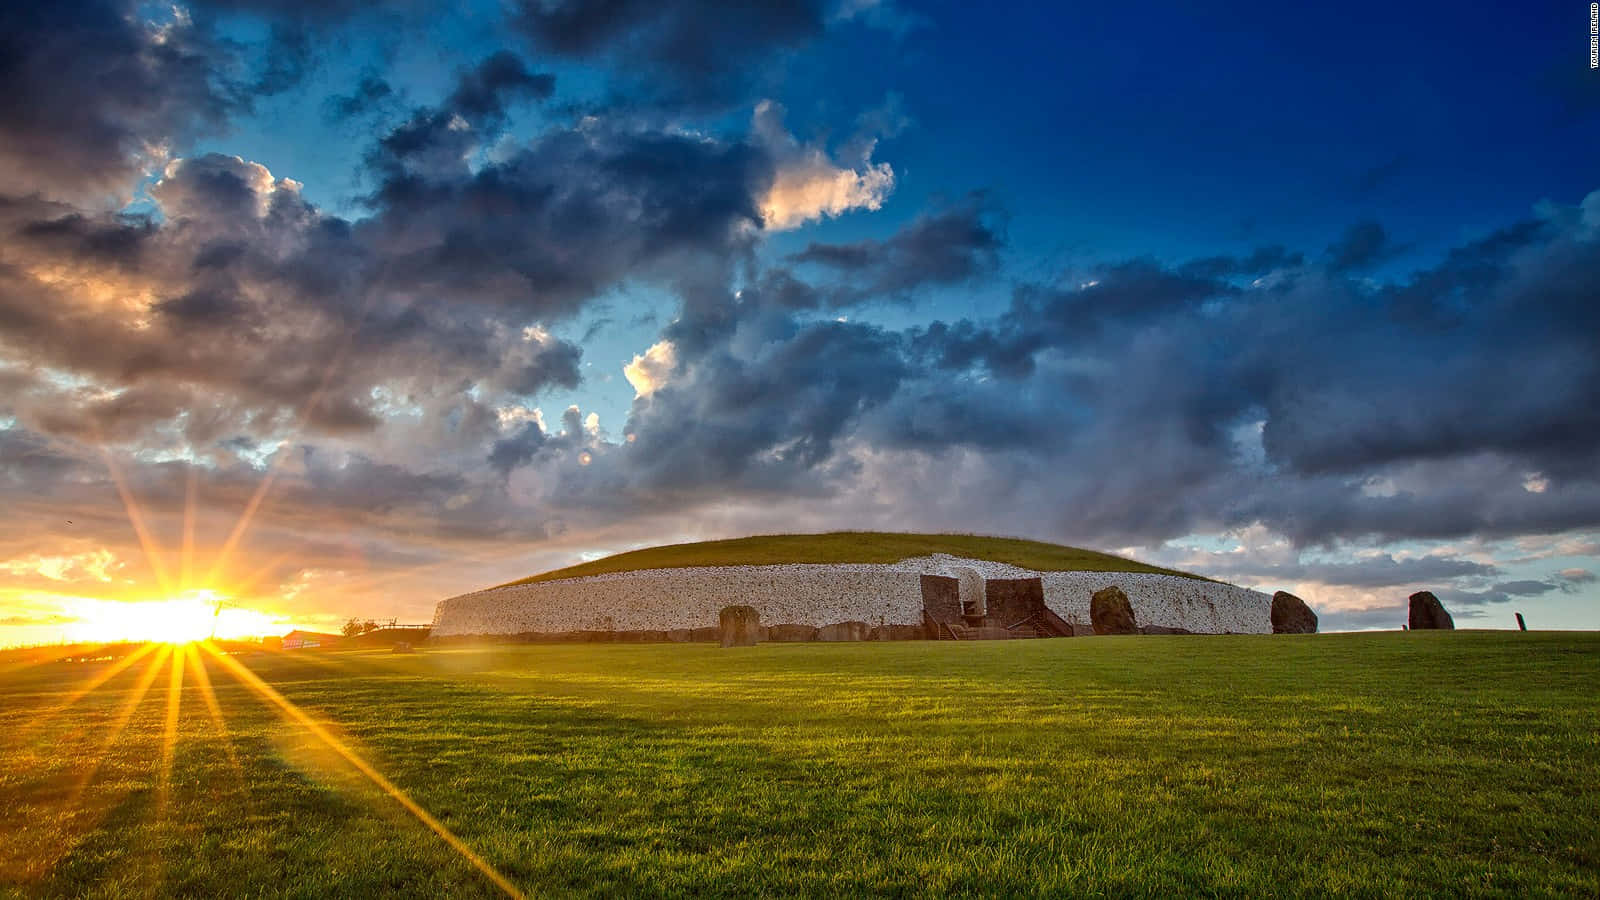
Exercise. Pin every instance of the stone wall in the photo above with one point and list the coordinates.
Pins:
(819, 595)
(1204, 607)
(683, 598)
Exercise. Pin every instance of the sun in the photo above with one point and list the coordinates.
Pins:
(189, 617)
(183, 620)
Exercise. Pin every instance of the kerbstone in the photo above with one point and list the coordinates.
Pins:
(1111, 613)
(741, 626)
(1291, 615)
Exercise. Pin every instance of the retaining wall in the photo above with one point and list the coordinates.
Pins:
(818, 595)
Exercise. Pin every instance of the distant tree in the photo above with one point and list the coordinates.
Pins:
(356, 627)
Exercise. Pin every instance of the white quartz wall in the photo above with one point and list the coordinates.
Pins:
(1168, 600)
(660, 599)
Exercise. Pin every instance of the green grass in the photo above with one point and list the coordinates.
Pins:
(1423, 764)
(854, 547)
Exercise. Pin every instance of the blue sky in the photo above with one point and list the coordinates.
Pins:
(1300, 300)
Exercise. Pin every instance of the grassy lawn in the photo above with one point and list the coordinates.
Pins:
(1422, 763)
(855, 547)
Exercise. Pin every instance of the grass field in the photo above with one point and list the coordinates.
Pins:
(855, 547)
(1421, 763)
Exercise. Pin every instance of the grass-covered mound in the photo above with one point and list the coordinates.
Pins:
(854, 547)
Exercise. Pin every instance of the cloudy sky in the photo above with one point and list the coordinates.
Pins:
(336, 310)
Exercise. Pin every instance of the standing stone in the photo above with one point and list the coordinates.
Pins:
(1291, 615)
(1428, 612)
(740, 626)
(1111, 612)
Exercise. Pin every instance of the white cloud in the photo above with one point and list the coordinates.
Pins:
(809, 183)
(95, 564)
(650, 370)
(509, 417)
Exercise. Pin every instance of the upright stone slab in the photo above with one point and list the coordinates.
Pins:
(1111, 612)
(1428, 613)
(1291, 615)
(740, 626)
(1013, 600)
(941, 598)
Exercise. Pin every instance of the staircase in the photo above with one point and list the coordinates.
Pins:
(957, 631)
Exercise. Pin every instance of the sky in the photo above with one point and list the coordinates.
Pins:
(330, 310)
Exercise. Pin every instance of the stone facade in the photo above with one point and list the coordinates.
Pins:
(821, 595)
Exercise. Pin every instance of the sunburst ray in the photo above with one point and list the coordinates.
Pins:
(119, 725)
(22, 734)
(147, 542)
(186, 556)
(169, 731)
(202, 679)
(300, 717)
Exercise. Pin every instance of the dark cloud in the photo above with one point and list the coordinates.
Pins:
(1362, 246)
(1260, 262)
(370, 94)
(1321, 406)
(94, 93)
(947, 247)
(1379, 571)
(1414, 371)
(552, 224)
(697, 51)
(88, 89)
(719, 424)
(1472, 599)
(1525, 588)
(501, 78)
(262, 311)
(517, 450)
